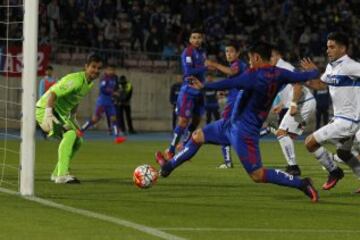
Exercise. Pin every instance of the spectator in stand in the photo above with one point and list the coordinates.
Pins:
(137, 21)
(154, 43)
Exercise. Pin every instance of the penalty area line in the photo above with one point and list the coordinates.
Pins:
(118, 221)
(268, 230)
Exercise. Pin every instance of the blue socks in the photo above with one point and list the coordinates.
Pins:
(188, 152)
(279, 177)
(191, 128)
(178, 132)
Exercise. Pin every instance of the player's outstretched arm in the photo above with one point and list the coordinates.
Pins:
(242, 81)
(293, 77)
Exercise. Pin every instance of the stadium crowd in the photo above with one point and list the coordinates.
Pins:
(162, 26)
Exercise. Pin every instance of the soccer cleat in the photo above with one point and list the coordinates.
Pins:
(357, 191)
(168, 155)
(67, 179)
(333, 178)
(119, 140)
(293, 170)
(309, 190)
(225, 166)
(160, 159)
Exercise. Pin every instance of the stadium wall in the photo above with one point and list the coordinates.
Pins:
(151, 109)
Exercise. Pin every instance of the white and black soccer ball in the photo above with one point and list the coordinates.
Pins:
(145, 176)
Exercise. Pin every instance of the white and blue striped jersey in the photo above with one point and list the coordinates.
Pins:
(343, 78)
(287, 93)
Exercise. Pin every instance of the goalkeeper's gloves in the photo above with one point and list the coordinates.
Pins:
(49, 120)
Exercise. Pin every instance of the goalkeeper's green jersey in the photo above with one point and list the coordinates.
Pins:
(69, 92)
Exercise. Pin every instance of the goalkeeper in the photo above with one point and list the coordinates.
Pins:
(56, 110)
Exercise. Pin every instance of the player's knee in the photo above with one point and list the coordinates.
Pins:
(280, 133)
(344, 155)
(311, 144)
(70, 134)
(198, 136)
(258, 176)
(183, 122)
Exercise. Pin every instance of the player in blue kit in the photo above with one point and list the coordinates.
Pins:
(104, 104)
(236, 67)
(190, 102)
(260, 85)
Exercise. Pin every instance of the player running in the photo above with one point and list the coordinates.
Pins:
(104, 104)
(260, 84)
(342, 75)
(190, 102)
(300, 105)
(56, 115)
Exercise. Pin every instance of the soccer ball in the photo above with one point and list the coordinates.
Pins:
(145, 176)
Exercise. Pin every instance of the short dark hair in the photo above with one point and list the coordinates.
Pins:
(263, 49)
(279, 49)
(340, 38)
(196, 30)
(233, 44)
(49, 67)
(93, 57)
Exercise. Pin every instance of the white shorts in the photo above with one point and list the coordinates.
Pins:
(341, 132)
(296, 124)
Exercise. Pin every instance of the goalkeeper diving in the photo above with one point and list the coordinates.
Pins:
(56, 115)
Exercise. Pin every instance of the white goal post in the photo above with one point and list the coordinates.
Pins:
(29, 75)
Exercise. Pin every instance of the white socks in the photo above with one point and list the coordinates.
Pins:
(288, 149)
(325, 158)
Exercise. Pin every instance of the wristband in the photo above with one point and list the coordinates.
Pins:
(293, 104)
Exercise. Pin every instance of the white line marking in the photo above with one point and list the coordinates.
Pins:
(276, 230)
(99, 216)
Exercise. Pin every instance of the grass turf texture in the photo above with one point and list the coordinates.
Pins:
(197, 201)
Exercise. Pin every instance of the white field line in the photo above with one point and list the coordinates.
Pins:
(99, 216)
(264, 230)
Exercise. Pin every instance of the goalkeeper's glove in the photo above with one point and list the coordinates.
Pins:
(48, 120)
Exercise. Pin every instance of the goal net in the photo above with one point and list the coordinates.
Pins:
(18, 68)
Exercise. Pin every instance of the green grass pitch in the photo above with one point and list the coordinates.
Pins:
(197, 201)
